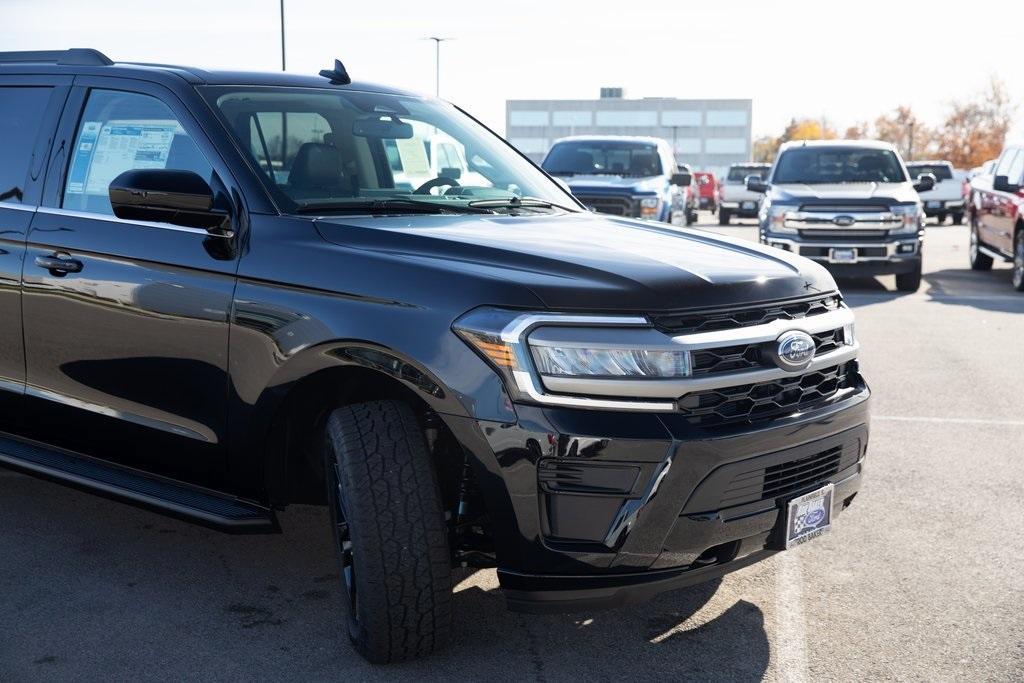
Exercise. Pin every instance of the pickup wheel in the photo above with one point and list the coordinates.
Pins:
(691, 216)
(1018, 260)
(979, 261)
(389, 531)
(958, 219)
(909, 282)
(941, 218)
(723, 217)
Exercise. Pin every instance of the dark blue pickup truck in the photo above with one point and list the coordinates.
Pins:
(625, 176)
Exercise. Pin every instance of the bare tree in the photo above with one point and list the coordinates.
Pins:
(976, 129)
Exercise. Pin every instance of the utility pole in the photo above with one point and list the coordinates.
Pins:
(910, 142)
(437, 62)
(283, 62)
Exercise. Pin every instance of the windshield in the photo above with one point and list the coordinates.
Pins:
(321, 150)
(603, 157)
(738, 174)
(940, 171)
(817, 165)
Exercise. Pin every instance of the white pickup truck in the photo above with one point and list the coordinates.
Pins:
(734, 199)
(947, 197)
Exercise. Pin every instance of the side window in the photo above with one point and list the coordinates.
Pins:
(1003, 165)
(21, 113)
(120, 131)
(1016, 170)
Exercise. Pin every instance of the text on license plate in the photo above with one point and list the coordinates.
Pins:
(809, 516)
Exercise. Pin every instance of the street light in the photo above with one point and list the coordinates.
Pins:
(437, 62)
(282, 36)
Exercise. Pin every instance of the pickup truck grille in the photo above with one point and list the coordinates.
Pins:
(727, 319)
(774, 481)
(754, 403)
(750, 356)
(615, 206)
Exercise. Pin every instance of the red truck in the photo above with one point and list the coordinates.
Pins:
(997, 215)
(707, 186)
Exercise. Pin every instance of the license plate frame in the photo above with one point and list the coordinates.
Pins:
(933, 204)
(748, 206)
(808, 516)
(842, 255)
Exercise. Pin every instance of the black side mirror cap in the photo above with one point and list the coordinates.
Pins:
(166, 196)
(681, 179)
(925, 182)
(1001, 183)
(755, 183)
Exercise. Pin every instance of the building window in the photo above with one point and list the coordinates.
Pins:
(725, 146)
(736, 117)
(527, 118)
(687, 145)
(572, 118)
(530, 145)
(680, 118)
(627, 118)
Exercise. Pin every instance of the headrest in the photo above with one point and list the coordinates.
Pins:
(316, 165)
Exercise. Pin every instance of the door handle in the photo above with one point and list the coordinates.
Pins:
(59, 264)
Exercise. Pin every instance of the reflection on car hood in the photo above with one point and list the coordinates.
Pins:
(615, 183)
(853, 192)
(586, 261)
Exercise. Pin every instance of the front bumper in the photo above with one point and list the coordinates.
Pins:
(744, 209)
(936, 207)
(595, 509)
(891, 255)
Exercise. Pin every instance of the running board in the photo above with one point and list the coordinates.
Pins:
(993, 254)
(166, 496)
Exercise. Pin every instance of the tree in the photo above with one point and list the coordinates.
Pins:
(858, 131)
(976, 129)
(765, 149)
(909, 134)
(808, 129)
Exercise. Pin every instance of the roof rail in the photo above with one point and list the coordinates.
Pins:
(79, 56)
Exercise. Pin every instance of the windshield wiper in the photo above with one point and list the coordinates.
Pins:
(390, 206)
(519, 203)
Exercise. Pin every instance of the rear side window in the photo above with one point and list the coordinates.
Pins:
(121, 131)
(21, 113)
(1016, 168)
(940, 171)
(738, 174)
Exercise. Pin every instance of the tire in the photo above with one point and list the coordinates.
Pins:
(691, 217)
(723, 217)
(958, 219)
(1018, 260)
(909, 282)
(979, 261)
(941, 218)
(389, 531)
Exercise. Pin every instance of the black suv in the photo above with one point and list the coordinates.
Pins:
(849, 205)
(226, 292)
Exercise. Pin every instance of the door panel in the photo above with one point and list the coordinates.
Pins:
(127, 351)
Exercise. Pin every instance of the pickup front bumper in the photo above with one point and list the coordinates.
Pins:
(594, 509)
(873, 256)
(743, 209)
(934, 207)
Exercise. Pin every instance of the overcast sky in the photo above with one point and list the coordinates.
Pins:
(843, 59)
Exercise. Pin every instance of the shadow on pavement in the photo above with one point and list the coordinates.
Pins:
(95, 589)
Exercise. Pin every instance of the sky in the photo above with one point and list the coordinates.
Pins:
(844, 60)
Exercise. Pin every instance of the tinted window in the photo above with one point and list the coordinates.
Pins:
(1016, 168)
(817, 165)
(284, 133)
(603, 157)
(739, 173)
(940, 171)
(21, 113)
(121, 131)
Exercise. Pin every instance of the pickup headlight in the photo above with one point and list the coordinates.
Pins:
(775, 217)
(531, 351)
(649, 207)
(911, 215)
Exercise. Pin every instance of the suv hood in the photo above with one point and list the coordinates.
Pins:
(584, 261)
(855, 193)
(615, 183)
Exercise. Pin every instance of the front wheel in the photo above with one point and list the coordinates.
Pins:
(723, 217)
(979, 261)
(389, 531)
(1018, 260)
(691, 217)
(909, 282)
(958, 219)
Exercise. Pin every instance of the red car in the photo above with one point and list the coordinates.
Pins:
(707, 186)
(997, 215)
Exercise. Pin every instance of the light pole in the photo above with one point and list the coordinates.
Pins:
(283, 63)
(437, 62)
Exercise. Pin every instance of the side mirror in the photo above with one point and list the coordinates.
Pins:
(1001, 183)
(166, 196)
(755, 183)
(681, 179)
(925, 182)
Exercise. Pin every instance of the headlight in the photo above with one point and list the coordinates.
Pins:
(911, 216)
(649, 207)
(539, 352)
(775, 215)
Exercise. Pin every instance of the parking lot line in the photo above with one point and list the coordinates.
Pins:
(791, 629)
(949, 420)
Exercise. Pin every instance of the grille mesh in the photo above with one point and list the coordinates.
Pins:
(728, 319)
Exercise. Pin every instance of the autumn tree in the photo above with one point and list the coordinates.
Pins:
(976, 129)
(858, 131)
(907, 132)
(808, 129)
(765, 148)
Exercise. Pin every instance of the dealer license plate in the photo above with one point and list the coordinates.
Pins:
(809, 516)
(748, 206)
(934, 205)
(843, 256)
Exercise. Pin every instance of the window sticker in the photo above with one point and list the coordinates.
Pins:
(83, 155)
(121, 146)
(414, 156)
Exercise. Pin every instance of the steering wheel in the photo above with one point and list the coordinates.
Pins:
(439, 181)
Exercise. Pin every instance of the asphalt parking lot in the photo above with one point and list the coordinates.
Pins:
(920, 579)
